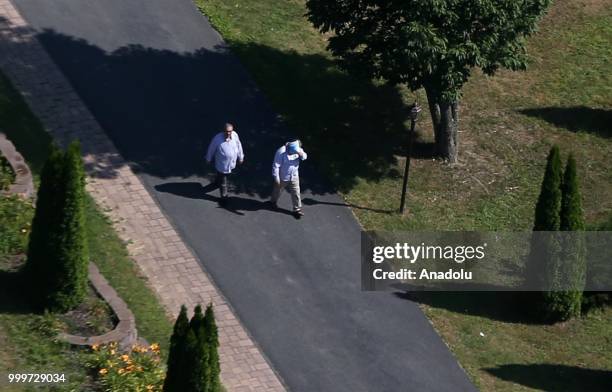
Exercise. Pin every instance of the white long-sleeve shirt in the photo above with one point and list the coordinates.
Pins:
(225, 152)
(286, 166)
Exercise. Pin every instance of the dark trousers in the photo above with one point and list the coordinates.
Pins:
(222, 180)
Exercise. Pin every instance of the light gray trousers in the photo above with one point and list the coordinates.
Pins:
(293, 187)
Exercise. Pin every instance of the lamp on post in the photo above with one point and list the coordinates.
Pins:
(414, 113)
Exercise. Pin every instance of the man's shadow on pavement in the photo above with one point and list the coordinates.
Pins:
(234, 204)
(312, 202)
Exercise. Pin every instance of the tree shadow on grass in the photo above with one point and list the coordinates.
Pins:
(576, 119)
(423, 150)
(506, 306)
(550, 377)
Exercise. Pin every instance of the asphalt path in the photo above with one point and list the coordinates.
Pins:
(161, 82)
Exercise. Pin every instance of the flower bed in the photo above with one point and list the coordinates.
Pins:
(138, 370)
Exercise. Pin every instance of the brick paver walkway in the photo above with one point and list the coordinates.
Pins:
(154, 244)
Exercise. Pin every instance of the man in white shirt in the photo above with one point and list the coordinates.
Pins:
(285, 171)
(225, 148)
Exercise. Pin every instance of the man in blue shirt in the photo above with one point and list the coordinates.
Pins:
(225, 148)
(286, 174)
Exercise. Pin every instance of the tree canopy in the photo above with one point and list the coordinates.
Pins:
(431, 44)
(428, 42)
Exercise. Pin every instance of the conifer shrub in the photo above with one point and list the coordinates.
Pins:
(58, 257)
(177, 356)
(548, 206)
(558, 262)
(69, 275)
(193, 361)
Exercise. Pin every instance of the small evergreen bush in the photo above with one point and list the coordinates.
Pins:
(58, 257)
(69, 275)
(193, 361)
(559, 263)
(548, 206)
(212, 341)
(177, 357)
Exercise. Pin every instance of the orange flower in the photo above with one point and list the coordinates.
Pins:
(154, 347)
(103, 371)
(121, 371)
(95, 347)
(139, 349)
(125, 357)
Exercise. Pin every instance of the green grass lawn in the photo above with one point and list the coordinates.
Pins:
(516, 355)
(27, 337)
(507, 125)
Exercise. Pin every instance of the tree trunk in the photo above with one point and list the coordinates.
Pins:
(446, 143)
(445, 123)
(434, 110)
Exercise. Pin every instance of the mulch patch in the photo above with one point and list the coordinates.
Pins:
(92, 317)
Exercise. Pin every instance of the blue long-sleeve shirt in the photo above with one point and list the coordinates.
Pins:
(286, 166)
(225, 152)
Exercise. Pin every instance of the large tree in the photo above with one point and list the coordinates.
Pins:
(430, 44)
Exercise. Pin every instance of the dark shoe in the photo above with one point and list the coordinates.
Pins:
(298, 214)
